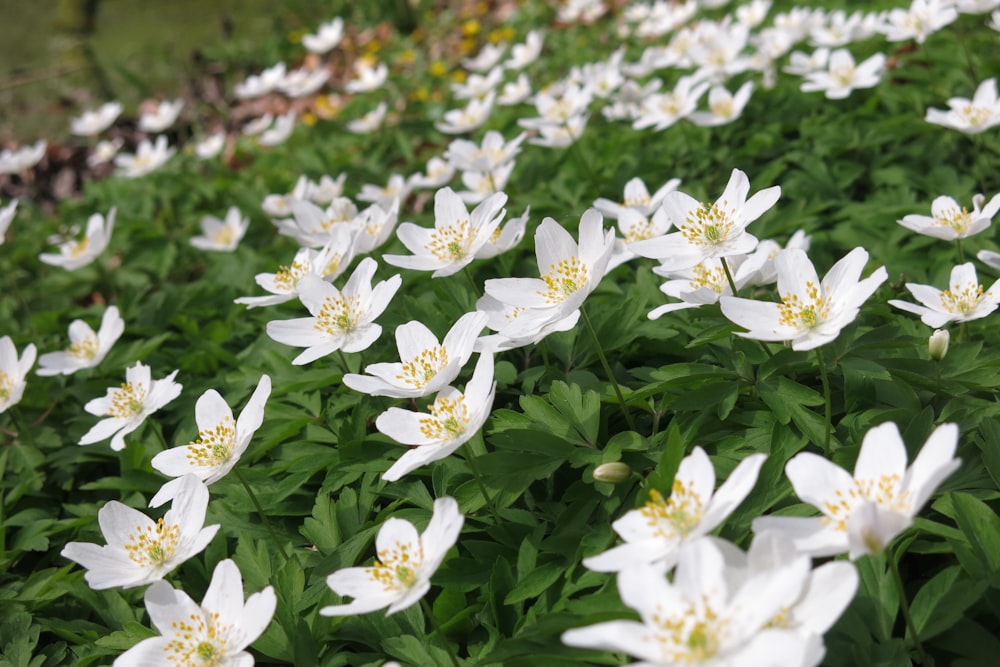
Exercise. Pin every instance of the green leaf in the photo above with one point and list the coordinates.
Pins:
(981, 527)
(535, 583)
(941, 602)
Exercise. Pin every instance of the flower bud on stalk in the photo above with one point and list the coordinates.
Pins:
(937, 344)
(614, 472)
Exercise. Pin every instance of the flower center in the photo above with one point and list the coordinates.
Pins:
(451, 242)
(962, 299)
(690, 637)
(563, 279)
(957, 220)
(420, 370)
(447, 420)
(708, 225)
(287, 278)
(223, 236)
(723, 108)
(152, 545)
(883, 490)
(710, 275)
(338, 315)
(127, 401)
(85, 348)
(396, 569)
(198, 641)
(676, 516)
(214, 446)
(843, 75)
(6, 386)
(804, 313)
(641, 229)
(79, 247)
(976, 116)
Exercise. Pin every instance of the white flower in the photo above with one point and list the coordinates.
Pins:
(216, 631)
(702, 284)
(367, 77)
(439, 173)
(493, 152)
(522, 55)
(161, 117)
(811, 313)
(210, 146)
(920, 20)
(87, 349)
(708, 615)
(504, 317)
(220, 444)
(302, 82)
(863, 513)
(94, 122)
(454, 418)
(327, 37)
(801, 63)
(281, 130)
(477, 85)
(375, 226)
(950, 222)
(6, 217)
(257, 85)
(937, 344)
(139, 550)
(103, 152)
(284, 284)
(277, 205)
(636, 197)
(257, 125)
(125, 408)
(994, 21)
(148, 157)
(486, 59)
(970, 116)
(13, 371)
(369, 122)
(843, 76)
(515, 92)
(483, 184)
(456, 238)
(341, 320)
(562, 135)
(14, 161)
(75, 254)
(506, 237)
(406, 562)
(723, 106)
(661, 110)
(326, 189)
(222, 235)
(715, 231)
(659, 531)
(425, 365)
(963, 301)
(471, 117)
(569, 273)
(315, 227)
(397, 187)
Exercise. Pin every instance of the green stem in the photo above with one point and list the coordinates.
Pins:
(729, 275)
(15, 416)
(472, 282)
(260, 512)
(963, 330)
(470, 460)
(578, 152)
(961, 251)
(429, 613)
(904, 606)
(607, 369)
(343, 361)
(826, 399)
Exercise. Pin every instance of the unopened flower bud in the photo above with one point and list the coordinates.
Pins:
(937, 345)
(613, 472)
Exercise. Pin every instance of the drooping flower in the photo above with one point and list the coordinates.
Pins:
(13, 371)
(963, 301)
(213, 633)
(425, 366)
(708, 615)
(125, 408)
(708, 231)
(570, 272)
(453, 419)
(75, 254)
(406, 562)
(949, 221)
(26, 157)
(659, 531)
(811, 313)
(522, 55)
(303, 81)
(257, 85)
(87, 349)
(139, 550)
(456, 238)
(210, 146)
(220, 444)
(94, 122)
(104, 152)
(222, 235)
(279, 131)
(863, 513)
(341, 320)
(6, 217)
(370, 121)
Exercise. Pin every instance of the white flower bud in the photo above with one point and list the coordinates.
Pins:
(614, 472)
(937, 345)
